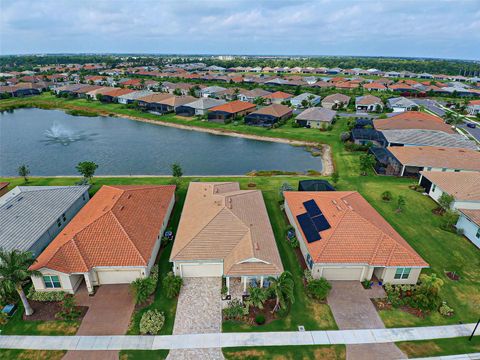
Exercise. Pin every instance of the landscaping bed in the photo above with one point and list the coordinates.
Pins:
(47, 311)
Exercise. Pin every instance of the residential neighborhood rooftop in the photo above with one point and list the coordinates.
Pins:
(428, 138)
(234, 106)
(221, 222)
(413, 120)
(117, 227)
(358, 234)
(27, 212)
(438, 157)
(463, 186)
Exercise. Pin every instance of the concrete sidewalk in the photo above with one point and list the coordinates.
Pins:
(220, 340)
(472, 356)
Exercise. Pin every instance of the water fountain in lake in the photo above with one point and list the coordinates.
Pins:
(59, 134)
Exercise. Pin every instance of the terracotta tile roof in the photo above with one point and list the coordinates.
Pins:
(220, 222)
(4, 185)
(368, 100)
(336, 98)
(413, 120)
(278, 95)
(177, 100)
(438, 157)
(358, 233)
(275, 110)
(399, 86)
(117, 227)
(118, 92)
(374, 86)
(234, 107)
(155, 98)
(474, 102)
(461, 185)
(472, 214)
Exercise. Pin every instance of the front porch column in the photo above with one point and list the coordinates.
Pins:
(227, 281)
(261, 281)
(244, 279)
(88, 282)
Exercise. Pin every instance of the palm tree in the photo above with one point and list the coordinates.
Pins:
(24, 171)
(257, 297)
(14, 271)
(282, 287)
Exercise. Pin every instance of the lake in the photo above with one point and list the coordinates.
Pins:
(52, 142)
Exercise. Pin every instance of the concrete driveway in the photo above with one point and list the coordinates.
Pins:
(199, 311)
(109, 313)
(352, 309)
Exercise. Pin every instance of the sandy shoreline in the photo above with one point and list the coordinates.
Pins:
(327, 163)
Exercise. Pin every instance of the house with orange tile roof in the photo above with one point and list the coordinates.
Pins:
(112, 96)
(269, 115)
(473, 107)
(413, 120)
(368, 103)
(342, 237)
(277, 97)
(4, 188)
(225, 231)
(374, 86)
(410, 160)
(229, 111)
(113, 239)
(463, 186)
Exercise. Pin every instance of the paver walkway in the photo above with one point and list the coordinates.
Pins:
(109, 313)
(199, 311)
(352, 309)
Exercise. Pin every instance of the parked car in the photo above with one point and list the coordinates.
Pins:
(471, 125)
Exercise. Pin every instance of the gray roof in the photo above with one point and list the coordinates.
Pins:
(304, 96)
(27, 212)
(136, 95)
(419, 137)
(400, 102)
(205, 103)
(212, 89)
(317, 114)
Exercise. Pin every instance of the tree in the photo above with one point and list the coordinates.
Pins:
(445, 201)
(285, 187)
(177, 92)
(24, 171)
(400, 203)
(449, 219)
(177, 172)
(87, 169)
(282, 288)
(14, 272)
(387, 196)
(257, 297)
(259, 101)
(427, 296)
(335, 177)
(366, 162)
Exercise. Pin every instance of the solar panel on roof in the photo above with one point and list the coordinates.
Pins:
(321, 223)
(308, 228)
(312, 208)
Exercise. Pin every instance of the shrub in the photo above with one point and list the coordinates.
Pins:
(143, 288)
(45, 295)
(445, 310)
(234, 310)
(387, 196)
(307, 274)
(318, 288)
(3, 318)
(172, 285)
(367, 284)
(294, 242)
(152, 322)
(344, 136)
(260, 319)
(69, 311)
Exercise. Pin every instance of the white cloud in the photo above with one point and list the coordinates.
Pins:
(367, 27)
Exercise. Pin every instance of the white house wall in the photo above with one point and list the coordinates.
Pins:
(470, 229)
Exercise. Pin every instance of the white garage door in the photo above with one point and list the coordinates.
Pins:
(352, 273)
(117, 276)
(202, 270)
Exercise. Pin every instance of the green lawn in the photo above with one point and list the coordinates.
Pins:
(14, 354)
(440, 347)
(333, 352)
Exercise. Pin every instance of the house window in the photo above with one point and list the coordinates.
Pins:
(434, 187)
(52, 282)
(59, 223)
(478, 234)
(402, 273)
(63, 217)
(429, 168)
(444, 169)
(456, 170)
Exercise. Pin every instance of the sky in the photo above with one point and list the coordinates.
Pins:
(406, 28)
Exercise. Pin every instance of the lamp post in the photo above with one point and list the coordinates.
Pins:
(474, 329)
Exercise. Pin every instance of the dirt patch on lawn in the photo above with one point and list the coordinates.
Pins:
(329, 353)
(427, 348)
(46, 311)
(322, 315)
(58, 327)
(246, 354)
